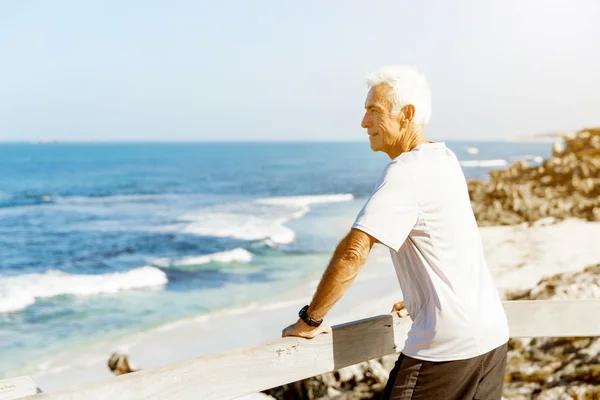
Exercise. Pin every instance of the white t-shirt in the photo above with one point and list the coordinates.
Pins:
(421, 210)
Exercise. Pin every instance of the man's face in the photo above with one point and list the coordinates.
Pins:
(383, 128)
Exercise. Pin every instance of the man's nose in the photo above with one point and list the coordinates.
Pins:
(365, 122)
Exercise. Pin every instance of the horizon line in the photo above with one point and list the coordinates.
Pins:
(58, 141)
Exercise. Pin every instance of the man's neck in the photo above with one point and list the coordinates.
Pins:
(407, 142)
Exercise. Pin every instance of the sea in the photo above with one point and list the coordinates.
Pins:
(100, 240)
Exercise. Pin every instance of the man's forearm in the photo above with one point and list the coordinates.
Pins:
(347, 261)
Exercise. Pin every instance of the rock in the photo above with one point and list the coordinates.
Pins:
(332, 393)
(596, 214)
(388, 362)
(545, 221)
(361, 381)
(583, 392)
(532, 372)
(378, 372)
(119, 364)
(573, 285)
(567, 185)
(558, 149)
(353, 373)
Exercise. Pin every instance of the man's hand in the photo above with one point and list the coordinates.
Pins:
(348, 258)
(303, 330)
(400, 309)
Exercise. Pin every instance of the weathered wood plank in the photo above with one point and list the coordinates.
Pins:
(16, 388)
(286, 360)
(253, 369)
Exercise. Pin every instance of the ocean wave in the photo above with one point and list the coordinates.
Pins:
(18, 292)
(25, 199)
(116, 198)
(238, 226)
(255, 220)
(235, 255)
(252, 220)
(266, 243)
(28, 199)
(307, 200)
(483, 163)
(530, 158)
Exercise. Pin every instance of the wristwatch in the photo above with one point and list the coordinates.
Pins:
(308, 320)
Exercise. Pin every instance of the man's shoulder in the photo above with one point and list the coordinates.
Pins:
(403, 163)
(407, 158)
(399, 170)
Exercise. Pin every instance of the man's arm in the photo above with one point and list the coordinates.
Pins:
(347, 261)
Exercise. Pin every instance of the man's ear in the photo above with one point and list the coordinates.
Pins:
(409, 112)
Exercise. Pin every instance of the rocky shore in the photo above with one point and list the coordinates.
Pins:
(565, 186)
(361, 381)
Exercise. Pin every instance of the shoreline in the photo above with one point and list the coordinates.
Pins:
(518, 257)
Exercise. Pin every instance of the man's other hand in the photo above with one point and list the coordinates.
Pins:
(400, 309)
(303, 330)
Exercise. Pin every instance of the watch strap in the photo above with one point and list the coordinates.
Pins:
(303, 314)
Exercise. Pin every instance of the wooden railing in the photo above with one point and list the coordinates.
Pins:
(250, 370)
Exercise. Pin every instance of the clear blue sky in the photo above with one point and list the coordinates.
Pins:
(291, 70)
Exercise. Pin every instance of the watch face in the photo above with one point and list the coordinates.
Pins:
(302, 312)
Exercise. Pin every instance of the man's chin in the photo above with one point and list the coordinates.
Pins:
(375, 146)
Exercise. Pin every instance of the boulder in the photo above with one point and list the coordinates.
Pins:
(119, 364)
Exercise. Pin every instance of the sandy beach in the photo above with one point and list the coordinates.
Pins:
(518, 256)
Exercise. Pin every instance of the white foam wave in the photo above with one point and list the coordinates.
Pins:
(534, 158)
(18, 292)
(256, 220)
(266, 243)
(483, 163)
(235, 255)
(238, 226)
(117, 198)
(306, 200)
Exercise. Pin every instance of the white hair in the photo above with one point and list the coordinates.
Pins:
(408, 86)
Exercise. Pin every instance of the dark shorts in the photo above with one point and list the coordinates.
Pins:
(478, 378)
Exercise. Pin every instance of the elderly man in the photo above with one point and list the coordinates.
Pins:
(420, 210)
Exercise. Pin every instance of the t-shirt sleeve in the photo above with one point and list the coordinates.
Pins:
(392, 210)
